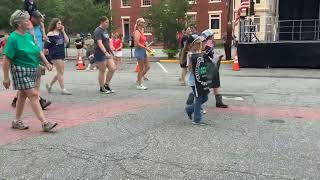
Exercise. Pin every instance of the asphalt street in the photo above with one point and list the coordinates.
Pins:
(271, 130)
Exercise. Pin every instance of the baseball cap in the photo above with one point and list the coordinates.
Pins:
(37, 14)
(206, 34)
(194, 37)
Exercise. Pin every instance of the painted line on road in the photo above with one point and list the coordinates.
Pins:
(74, 115)
(162, 67)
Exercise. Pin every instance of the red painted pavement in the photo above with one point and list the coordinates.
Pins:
(73, 115)
(306, 113)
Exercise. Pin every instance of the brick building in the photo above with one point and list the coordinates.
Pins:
(203, 15)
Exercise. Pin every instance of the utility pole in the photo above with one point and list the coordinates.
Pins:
(228, 39)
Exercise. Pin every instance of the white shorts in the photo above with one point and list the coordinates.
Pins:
(117, 53)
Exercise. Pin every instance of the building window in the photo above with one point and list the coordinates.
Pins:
(191, 19)
(256, 22)
(257, 1)
(215, 22)
(145, 3)
(148, 28)
(214, 1)
(125, 3)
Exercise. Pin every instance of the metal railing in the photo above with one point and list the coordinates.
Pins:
(270, 30)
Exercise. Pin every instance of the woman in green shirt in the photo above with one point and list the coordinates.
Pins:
(22, 58)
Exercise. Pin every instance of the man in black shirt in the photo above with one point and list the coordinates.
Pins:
(30, 6)
(103, 55)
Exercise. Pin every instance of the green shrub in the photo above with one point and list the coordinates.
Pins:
(171, 52)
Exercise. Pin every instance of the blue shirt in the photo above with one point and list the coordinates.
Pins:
(38, 36)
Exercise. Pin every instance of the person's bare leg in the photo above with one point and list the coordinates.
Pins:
(59, 64)
(140, 77)
(102, 66)
(33, 96)
(111, 69)
(146, 67)
(120, 63)
(183, 76)
(36, 107)
(20, 104)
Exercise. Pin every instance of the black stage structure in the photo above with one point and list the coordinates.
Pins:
(291, 38)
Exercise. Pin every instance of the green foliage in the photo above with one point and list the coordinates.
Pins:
(171, 52)
(77, 15)
(7, 7)
(167, 18)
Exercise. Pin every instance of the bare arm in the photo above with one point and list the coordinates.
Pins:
(66, 38)
(5, 68)
(45, 61)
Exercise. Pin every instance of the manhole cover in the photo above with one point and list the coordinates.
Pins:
(298, 117)
(276, 121)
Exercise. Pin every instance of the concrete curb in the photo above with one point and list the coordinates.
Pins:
(177, 61)
(169, 61)
(227, 62)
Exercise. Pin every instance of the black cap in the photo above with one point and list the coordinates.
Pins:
(36, 14)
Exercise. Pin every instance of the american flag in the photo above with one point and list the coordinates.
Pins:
(245, 4)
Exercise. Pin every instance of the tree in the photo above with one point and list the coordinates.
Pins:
(166, 19)
(7, 7)
(77, 15)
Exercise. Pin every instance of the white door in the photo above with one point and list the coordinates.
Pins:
(215, 24)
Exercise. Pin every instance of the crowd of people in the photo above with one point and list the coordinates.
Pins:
(29, 52)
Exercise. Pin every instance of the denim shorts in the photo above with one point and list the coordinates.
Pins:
(101, 58)
(140, 54)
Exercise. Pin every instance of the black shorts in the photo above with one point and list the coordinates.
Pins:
(215, 81)
(184, 65)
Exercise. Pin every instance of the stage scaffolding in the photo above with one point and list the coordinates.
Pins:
(268, 30)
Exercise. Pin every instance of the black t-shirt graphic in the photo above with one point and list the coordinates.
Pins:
(200, 74)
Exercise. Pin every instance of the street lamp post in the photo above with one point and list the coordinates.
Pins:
(227, 44)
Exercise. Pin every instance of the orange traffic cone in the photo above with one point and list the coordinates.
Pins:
(236, 63)
(80, 64)
(137, 68)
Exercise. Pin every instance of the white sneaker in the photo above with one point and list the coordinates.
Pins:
(89, 67)
(48, 88)
(65, 92)
(141, 87)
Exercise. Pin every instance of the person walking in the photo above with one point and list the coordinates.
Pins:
(103, 55)
(141, 52)
(36, 19)
(55, 46)
(183, 55)
(215, 60)
(197, 79)
(23, 56)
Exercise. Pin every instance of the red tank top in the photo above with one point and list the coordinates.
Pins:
(116, 43)
(3, 43)
(143, 38)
